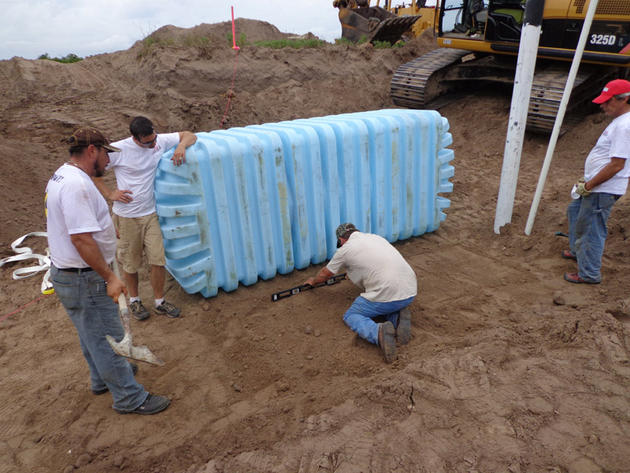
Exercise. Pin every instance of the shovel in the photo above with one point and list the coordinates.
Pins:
(125, 347)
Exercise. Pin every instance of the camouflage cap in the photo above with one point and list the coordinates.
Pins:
(88, 135)
(345, 228)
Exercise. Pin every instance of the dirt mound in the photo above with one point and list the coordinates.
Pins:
(246, 30)
(510, 368)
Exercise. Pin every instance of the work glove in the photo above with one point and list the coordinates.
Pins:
(580, 189)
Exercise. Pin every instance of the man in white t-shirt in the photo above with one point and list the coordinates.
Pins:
(389, 286)
(606, 173)
(135, 217)
(82, 243)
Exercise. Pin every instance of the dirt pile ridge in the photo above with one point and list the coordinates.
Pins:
(510, 368)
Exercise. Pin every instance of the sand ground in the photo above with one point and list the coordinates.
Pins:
(510, 369)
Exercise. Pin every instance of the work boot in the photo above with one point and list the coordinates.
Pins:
(138, 310)
(98, 392)
(151, 405)
(168, 309)
(387, 341)
(403, 331)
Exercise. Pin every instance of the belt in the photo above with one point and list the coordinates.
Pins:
(76, 270)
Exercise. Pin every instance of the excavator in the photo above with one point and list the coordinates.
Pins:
(478, 44)
(362, 22)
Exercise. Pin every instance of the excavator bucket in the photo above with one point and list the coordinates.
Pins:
(373, 24)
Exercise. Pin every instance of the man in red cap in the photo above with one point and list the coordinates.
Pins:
(606, 173)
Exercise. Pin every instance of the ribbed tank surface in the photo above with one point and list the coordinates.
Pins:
(260, 200)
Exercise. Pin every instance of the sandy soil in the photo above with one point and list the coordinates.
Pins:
(510, 368)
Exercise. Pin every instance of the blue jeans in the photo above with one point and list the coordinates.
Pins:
(94, 314)
(587, 232)
(360, 314)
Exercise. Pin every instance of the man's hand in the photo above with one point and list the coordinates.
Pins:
(580, 188)
(179, 155)
(186, 139)
(322, 276)
(123, 196)
(115, 287)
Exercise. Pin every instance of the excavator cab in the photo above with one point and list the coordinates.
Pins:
(479, 42)
(490, 20)
(505, 20)
(494, 27)
(464, 16)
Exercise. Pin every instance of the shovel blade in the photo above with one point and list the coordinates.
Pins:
(128, 350)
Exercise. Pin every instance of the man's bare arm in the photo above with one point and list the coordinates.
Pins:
(322, 276)
(186, 139)
(123, 196)
(613, 167)
(90, 253)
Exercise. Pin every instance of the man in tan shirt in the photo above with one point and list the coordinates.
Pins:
(389, 284)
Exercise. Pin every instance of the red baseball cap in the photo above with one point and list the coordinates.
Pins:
(614, 87)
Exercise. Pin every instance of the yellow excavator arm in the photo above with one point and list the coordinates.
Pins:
(362, 22)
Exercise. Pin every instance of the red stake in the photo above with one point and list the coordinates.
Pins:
(234, 46)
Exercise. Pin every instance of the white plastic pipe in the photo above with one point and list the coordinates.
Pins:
(523, 78)
(575, 65)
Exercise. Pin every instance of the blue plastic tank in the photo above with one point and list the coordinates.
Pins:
(255, 201)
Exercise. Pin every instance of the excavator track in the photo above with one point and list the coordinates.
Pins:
(410, 82)
(547, 89)
(418, 83)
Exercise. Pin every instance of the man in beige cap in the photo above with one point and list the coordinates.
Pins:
(389, 284)
(606, 173)
(82, 243)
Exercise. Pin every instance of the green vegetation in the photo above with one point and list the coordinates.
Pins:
(67, 59)
(240, 42)
(343, 42)
(192, 40)
(291, 43)
(148, 43)
(347, 42)
(376, 44)
(202, 43)
(387, 44)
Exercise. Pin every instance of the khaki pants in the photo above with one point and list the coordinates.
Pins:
(138, 235)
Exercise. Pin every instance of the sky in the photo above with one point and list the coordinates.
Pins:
(30, 28)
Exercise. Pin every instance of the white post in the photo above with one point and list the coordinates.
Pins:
(575, 65)
(523, 78)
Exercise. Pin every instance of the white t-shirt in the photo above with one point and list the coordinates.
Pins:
(74, 205)
(613, 143)
(135, 168)
(373, 264)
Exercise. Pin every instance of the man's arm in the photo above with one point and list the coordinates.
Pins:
(613, 167)
(322, 276)
(186, 139)
(123, 196)
(90, 253)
